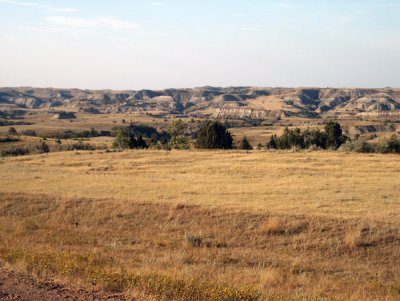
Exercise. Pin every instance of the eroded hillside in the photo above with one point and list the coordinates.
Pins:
(231, 102)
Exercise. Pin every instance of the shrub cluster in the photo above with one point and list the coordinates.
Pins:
(84, 134)
(331, 138)
(21, 151)
(8, 123)
(132, 136)
(80, 145)
(387, 146)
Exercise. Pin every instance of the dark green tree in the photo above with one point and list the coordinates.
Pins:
(140, 143)
(213, 135)
(334, 135)
(314, 138)
(245, 144)
(272, 142)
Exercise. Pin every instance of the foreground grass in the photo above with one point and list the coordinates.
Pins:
(92, 271)
(206, 225)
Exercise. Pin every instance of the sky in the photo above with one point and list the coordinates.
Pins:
(146, 44)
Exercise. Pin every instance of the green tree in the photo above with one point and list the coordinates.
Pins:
(334, 135)
(140, 143)
(124, 139)
(245, 144)
(272, 142)
(213, 135)
(177, 132)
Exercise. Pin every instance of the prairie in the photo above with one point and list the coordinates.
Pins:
(221, 225)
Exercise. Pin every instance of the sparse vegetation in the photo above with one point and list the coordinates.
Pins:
(386, 146)
(69, 134)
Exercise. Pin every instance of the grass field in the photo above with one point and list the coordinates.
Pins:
(192, 225)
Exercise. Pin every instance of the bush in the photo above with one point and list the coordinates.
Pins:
(29, 133)
(387, 146)
(84, 134)
(81, 146)
(359, 146)
(13, 152)
(213, 135)
(9, 139)
(41, 148)
(12, 131)
(391, 145)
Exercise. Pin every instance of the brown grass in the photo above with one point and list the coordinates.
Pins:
(306, 226)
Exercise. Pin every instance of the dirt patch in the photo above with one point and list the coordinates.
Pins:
(15, 286)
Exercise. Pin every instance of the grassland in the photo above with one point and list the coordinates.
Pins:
(190, 225)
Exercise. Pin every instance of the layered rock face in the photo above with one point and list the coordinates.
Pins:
(231, 102)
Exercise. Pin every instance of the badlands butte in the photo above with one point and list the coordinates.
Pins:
(214, 102)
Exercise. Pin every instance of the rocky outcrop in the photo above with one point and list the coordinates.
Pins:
(248, 113)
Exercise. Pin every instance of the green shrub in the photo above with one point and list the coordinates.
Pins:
(391, 145)
(359, 146)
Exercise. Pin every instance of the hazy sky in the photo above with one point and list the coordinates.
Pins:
(137, 44)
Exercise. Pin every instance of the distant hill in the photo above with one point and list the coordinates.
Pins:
(230, 102)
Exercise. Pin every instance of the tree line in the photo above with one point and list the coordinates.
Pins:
(211, 135)
(331, 138)
(215, 135)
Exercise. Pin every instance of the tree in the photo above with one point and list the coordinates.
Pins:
(213, 135)
(334, 135)
(177, 133)
(245, 144)
(140, 143)
(314, 138)
(272, 142)
(124, 139)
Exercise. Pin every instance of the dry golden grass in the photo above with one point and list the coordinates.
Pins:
(301, 225)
